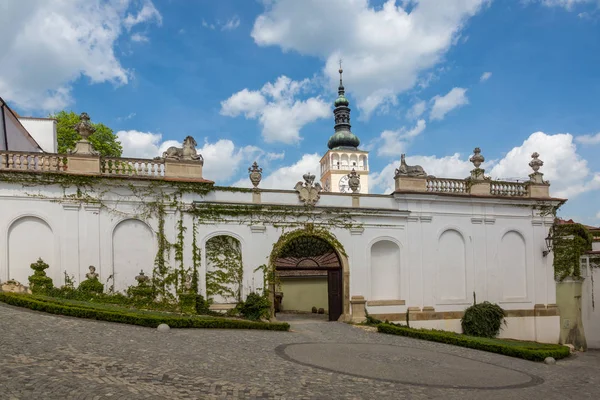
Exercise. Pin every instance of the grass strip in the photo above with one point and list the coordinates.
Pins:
(131, 317)
(532, 351)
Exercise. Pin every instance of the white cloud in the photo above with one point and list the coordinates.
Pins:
(231, 24)
(138, 144)
(485, 76)
(444, 104)
(385, 49)
(275, 156)
(148, 13)
(280, 114)
(598, 215)
(567, 172)
(207, 25)
(222, 159)
(138, 37)
(416, 110)
(566, 4)
(49, 44)
(393, 143)
(588, 139)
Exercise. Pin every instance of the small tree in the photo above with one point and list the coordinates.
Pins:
(103, 139)
(39, 282)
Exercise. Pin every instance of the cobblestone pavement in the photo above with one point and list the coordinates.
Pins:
(52, 357)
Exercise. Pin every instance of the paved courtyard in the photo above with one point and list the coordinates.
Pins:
(52, 357)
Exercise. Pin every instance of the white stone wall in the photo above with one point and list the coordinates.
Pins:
(429, 251)
(590, 304)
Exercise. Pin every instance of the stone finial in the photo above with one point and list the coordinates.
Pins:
(354, 181)
(477, 159)
(84, 127)
(142, 278)
(255, 173)
(308, 192)
(535, 164)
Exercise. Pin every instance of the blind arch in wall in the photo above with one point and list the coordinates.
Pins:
(513, 266)
(385, 270)
(451, 268)
(134, 249)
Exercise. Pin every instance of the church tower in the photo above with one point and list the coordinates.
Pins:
(343, 155)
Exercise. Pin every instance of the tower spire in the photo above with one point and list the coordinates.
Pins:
(341, 90)
(342, 137)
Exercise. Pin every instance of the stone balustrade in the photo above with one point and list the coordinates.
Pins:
(89, 164)
(441, 185)
(132, 167)
(508, 189)
(25, 161)
(414, 179)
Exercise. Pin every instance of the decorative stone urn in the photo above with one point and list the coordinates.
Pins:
(255, 174)
(477, 159)
(85, 129)
(142, 278)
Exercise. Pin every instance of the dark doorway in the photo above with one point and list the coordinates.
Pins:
(310, 255)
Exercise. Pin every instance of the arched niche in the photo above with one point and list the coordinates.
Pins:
(362, 161)
(345, 160)
(513, 266)
(134, 249)
(31, 238)
(353, 160)
(224, 269)
(385, 271)
(451, 268)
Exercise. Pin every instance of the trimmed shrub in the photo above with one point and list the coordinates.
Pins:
(91, 286)
(39, 282)
(202, 305)
(483, 320)
(255, 307)
(187, 302)
(513, 348)
(133, 318)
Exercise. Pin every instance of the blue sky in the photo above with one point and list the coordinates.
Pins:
(257, 79)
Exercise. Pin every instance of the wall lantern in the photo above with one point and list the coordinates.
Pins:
(548, 245)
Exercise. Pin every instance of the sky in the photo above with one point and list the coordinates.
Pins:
(256, 80)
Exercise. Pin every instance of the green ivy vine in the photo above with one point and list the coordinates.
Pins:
(570, 242)
(225, 270)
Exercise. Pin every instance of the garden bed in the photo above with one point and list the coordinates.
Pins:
(532, 351)
(114, 313)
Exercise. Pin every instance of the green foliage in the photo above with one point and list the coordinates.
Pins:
(142, 293)
(91, 286)
(187, 303)
(39, 282)
(483, 320)
(514, 348)
(370, 319)
(570, 242)
(255, 307)
(133, 317)
(103, 139)
(226, 271)
(202, 305)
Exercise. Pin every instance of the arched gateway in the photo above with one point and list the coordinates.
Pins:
(315, 251)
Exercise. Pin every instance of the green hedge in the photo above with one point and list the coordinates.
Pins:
(134, 318)
(513, 348)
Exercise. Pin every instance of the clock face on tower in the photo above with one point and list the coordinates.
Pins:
(344, 186)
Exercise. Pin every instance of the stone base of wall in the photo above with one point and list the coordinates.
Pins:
(539, 325)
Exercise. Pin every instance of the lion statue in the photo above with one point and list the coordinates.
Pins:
(187, 152)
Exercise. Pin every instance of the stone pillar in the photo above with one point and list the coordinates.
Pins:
(183, 169)
(410, 183)
(85, 164)
(256, 197)
(358, 308)
(355, 201)
(568, 296)
(69, 244)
